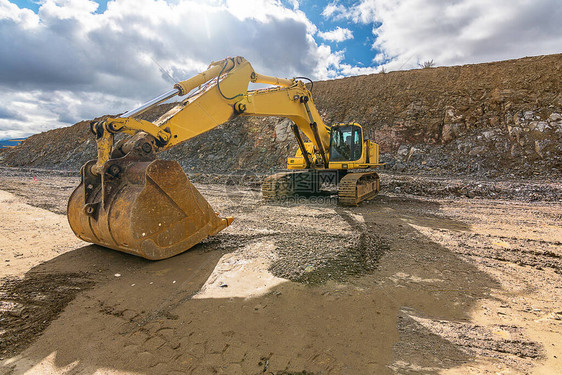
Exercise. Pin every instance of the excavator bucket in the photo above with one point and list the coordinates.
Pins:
(145, 208)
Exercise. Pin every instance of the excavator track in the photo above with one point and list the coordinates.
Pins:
(284, 185)
(277, 187)
(357, 187)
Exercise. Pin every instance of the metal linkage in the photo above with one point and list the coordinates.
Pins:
(314, 127)
(151, 103)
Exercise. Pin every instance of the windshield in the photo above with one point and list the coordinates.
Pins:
(345, 143)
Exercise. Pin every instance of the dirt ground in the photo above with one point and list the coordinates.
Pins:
(402, 284)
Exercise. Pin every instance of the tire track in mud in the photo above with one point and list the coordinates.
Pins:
(506, 343)
(539, 254)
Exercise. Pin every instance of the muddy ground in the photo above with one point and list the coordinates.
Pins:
(402, 284)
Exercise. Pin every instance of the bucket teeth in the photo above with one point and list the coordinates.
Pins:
(147, 208)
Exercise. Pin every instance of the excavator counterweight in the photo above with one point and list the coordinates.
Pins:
(129, 200)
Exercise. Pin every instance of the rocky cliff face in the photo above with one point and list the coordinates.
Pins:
(492, 119)
(501, 119)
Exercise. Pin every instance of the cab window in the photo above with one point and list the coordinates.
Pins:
(346, 143)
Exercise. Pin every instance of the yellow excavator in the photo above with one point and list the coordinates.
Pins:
(129, 200)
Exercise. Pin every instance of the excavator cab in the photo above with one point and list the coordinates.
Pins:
(346, 143)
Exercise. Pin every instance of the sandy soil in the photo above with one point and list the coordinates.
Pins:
(401, 284)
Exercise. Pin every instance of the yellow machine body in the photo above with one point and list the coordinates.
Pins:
(369, 157)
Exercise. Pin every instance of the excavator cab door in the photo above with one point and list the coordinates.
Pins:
(346, 143)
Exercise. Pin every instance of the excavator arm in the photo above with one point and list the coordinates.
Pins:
(221, 93)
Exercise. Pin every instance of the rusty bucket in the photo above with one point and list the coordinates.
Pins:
(145, 208)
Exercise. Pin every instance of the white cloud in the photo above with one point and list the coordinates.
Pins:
(335, 11)
(408, 32)
(332, 65)
(337, 35)
(67, 63)
(41, 110)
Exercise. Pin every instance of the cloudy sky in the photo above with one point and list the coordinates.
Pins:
(62, 61)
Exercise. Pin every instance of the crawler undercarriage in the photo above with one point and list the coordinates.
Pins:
(352, 187)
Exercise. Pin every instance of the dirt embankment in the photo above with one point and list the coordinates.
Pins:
(501, 119)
